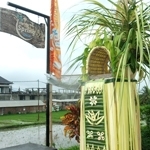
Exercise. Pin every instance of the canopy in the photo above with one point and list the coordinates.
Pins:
(70, 82)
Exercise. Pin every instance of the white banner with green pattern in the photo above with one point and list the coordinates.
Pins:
(110, 116)
(92, 101)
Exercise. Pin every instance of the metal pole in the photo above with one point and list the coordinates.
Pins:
(47, 65)
(38, 101)
(47, 115)
(48, 89)
(26, 9)
(50, 116)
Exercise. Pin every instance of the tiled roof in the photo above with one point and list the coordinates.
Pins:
(4, 81)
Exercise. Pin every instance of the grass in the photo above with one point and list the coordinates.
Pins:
(71, 148)
(16, 120)
(56, 116)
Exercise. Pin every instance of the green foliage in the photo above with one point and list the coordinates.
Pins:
(145, 96)
(145, 105)
(145, 114)
(56, 116)
(9, 112)
(123, 29)
(71, 148)
(145, 138)
(71, 120)
(145, 117)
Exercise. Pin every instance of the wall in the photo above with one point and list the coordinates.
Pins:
(5, 96)
(26, 109)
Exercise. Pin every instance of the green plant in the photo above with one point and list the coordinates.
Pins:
(145, 105)
(144, 96)
(71, 148)
(123, 29)
(145, 114)
(9, 113)
(71, 120)
(145, 138)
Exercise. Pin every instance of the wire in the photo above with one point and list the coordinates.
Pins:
(25, 81)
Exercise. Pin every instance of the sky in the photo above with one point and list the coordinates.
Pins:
(20, 61)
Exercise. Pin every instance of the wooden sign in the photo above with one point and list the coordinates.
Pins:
(20, 25)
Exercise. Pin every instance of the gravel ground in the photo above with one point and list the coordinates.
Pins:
(36, 135)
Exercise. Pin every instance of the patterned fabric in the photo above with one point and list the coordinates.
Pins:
(94, 115)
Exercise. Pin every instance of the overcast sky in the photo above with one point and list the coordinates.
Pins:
(21, 61)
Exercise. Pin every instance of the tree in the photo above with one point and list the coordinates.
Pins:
(145, 95)
(145, 116)
(145, 105)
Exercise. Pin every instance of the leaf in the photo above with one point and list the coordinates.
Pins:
(72, 121)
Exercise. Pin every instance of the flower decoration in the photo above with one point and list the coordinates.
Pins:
(90, 134)
(93, 100)
(94, 118)
(101, 136)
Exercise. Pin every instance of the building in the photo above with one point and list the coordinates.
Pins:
(19, 107)
(29, 94)
(32, 100)
(5, 89)
(61, 104)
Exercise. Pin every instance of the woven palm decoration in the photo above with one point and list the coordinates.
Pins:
(98, 61)
(110, 114)
(92, 125)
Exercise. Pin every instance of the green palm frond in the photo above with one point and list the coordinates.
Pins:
(124, 30)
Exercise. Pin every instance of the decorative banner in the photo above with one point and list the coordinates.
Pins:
(20, 25)
(94, 116)
(55, 53)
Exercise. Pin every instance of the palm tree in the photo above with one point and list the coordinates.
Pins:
(124, 31)
(145, 96)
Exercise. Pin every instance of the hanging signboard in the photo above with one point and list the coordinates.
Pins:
(20, 25)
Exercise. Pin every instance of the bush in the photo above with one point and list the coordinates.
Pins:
(71, 120)
(145, 114)
(145, 133)
(9, 113)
